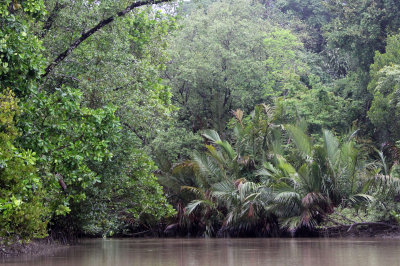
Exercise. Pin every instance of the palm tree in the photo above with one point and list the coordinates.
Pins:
(218, 164)
(224, 194)
(256, 136)
(247, 207)
(386, 184)
(299, 195)
(329, 175)
(227, 185)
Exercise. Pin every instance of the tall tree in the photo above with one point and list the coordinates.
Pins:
(227, 56)
(360, 27)
(384, 86)
(23, 213)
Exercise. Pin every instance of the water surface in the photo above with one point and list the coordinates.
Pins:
(218, 252)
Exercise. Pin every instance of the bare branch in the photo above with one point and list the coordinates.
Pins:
(100, 25)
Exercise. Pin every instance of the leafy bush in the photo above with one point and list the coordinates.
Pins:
(22, 212)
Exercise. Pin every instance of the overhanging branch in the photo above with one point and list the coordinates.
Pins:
(100, 25)
(50, 20)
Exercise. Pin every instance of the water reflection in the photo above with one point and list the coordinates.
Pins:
(216, 252)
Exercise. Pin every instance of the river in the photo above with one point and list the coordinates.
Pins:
(218, 252)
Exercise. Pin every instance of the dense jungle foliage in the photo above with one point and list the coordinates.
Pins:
(198, 118)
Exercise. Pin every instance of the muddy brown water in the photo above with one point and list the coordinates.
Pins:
(218, 252)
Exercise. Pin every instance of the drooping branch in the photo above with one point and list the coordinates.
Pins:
(100, 25)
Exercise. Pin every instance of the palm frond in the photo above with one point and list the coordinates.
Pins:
(246, 188)
(287, 197)
(276, 142)
(217, 155)
(182, 167)
(383, 161)
(283, 165)
(208, 168)
(197, 191)
(224, 191)
(269, 110)
(192, 206)
(348, 158)
(262, 172)
(227, 148)
(361, 199)
(315, 200)
(302, 141)
(291, 223)
(211, 135)
(332, 146)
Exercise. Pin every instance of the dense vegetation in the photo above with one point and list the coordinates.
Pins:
(207, 117)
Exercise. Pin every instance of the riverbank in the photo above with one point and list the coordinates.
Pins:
(48, 246)
(220, 252)
(34, 247)
(362, 230)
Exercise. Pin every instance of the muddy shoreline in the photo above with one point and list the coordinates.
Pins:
(369, 230)
(35, 247)
(49, 246)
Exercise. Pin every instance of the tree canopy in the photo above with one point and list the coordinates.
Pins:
(201, 118)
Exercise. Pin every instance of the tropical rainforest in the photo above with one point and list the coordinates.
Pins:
(198, 118)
